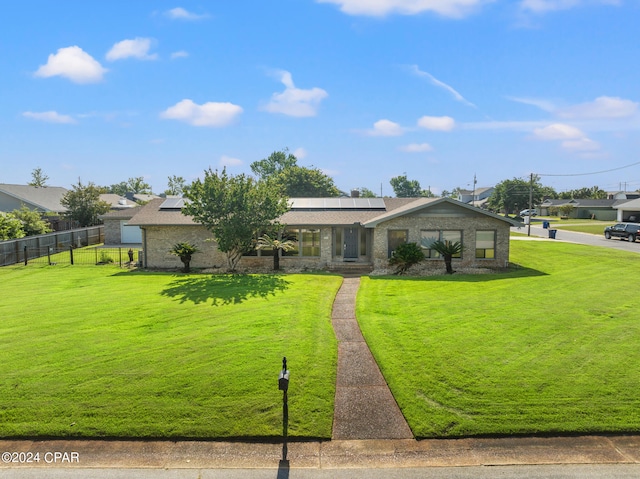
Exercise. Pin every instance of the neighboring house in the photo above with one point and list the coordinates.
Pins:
(477, 197)
(118, 202)
(603, 210)
(117, 230)
(333, 231)
(628, 211)
(622, 195)
(44, 199)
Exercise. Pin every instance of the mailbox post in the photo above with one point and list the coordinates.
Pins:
(283, 385)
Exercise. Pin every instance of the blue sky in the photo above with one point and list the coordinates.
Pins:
(365, 90)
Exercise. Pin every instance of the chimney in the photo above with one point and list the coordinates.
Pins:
(355, 193)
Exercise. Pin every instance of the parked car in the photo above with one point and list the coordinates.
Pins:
(533, 212)
(630, 231)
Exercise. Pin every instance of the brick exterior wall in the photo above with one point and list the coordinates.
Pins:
(467, 224)
(158, 240)
(112, 231)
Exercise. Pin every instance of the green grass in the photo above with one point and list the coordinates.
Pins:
(579, 225)
(101, 352)
(550, 348)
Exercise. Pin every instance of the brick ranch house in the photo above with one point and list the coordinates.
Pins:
(333, 233)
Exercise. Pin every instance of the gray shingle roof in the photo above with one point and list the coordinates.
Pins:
(46, 198)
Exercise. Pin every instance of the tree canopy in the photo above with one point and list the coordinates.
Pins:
(175, 186)
(294, 180)
(32, 222)
(405, 188)
(513, 195)
(235, 209)
(132, 185)
(38, 178)
(593, 193)
(84, 204)
(10, 227)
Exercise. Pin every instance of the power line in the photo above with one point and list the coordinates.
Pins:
(593, 173)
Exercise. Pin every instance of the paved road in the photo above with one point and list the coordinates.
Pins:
(607, 471)
(582, 238)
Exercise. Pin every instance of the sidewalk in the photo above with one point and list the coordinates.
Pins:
(333, 454)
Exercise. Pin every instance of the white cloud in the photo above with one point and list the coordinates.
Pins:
(295, 101)
(438, 123)
(581, 144)
(601, 108)
(570, 137)
(208, 114)
(229, 161)
(544, 105)
(180, 13)
(72, 63)
(135, 48)
(381, 8)
(300, 153)
(416, 71)
(179, 54)
(543, 6)
(386, 128)
(558, 131)
(416, 148)
(49, 116)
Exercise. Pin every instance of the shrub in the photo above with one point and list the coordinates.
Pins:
(405, 256)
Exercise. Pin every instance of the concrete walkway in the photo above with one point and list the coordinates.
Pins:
(364, 406)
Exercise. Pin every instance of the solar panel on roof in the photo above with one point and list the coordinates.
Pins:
(338, 203)
(172, 204)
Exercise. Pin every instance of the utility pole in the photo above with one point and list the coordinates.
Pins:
(530, 203)
(473, 197)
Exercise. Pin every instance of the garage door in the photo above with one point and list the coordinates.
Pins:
(130, 234)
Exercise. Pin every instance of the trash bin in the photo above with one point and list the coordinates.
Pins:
(545, 225)
(552, 234)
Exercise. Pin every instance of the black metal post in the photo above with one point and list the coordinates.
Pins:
(25, 255)
(71, 254)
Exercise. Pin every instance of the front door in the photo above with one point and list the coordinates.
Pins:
(351, 243)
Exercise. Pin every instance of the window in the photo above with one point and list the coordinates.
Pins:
(306, 240)
(486, 244)
(310, 242)
(363, 242)
(395, 238)
(428, 237)
(337, 241)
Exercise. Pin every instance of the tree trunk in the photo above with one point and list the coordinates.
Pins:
(276, 259)
(447, 263)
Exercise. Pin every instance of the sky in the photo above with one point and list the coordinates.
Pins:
(442, 91)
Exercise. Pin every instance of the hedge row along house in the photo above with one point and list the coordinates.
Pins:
(336, 234)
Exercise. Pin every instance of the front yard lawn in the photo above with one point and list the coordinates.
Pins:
(550, 348)
(101, 352)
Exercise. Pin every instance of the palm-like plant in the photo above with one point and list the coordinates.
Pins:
(184, 251)
(405, 256)
(266, 241)
(448, 250)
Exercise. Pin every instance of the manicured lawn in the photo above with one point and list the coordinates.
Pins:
(101, 352)
(553, 347)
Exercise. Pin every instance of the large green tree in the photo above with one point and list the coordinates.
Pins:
(84, 205)
(405, 188)
(132, 185)
(586, 193)
(32, 222)
(511, 196)
(235, 209)
(274, 164)
(294, 180)
(175, 186)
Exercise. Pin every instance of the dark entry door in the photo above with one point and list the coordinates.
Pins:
(351, 243)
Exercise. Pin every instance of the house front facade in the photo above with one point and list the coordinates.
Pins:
(331, 233)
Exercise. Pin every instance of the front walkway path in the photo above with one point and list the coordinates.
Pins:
(364, 406)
